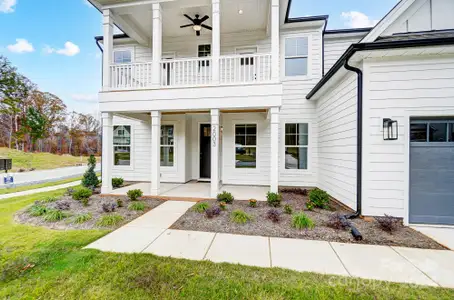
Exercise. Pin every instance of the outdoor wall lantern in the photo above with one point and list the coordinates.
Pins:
(390, 130)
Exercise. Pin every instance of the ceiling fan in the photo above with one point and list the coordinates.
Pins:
(197, 23)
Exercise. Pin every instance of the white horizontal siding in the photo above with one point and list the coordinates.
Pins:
(419, 87)
(335, 47)
(336, 119)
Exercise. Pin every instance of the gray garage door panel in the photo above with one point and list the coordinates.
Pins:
(432, 183)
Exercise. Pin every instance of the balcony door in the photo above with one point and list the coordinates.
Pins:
(246, 66)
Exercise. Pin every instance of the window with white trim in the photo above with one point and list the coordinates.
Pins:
(246, 146)
(123, 56)
(122, 145)
(296, 56)
(296, 144)
(167, 146)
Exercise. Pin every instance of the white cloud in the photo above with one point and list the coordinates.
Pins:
(70, 49)
(85, 97)
(7, 6)
(356, 19)
(21, 46)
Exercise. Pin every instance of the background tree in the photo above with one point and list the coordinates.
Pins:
(36, 125)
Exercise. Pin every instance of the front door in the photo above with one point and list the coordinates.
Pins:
(205, 151)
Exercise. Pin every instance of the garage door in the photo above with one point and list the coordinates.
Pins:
(432, 172)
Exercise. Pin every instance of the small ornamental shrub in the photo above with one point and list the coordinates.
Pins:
(62, 205)
(133, 195)
(82, 218)
(225, 197)
(223, 205)
(212, 212)
(240, 217)
(388, 223)
(120, 203)
(137, 206)
(288, 209)
(302, 221)
(337, 221)
(117, 182)
(85, 201)
(69, 191)
(82, 193)
(318, 198)
(108, 207)
(274, 215)
(37, 210)
(54, 215)
(273, 199)
(90, 179)
(49, 200)
(253, 203)
(201, 207)
(109, 220)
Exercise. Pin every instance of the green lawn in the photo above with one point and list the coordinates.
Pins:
(40, 161)
(37, 263)
(37, 186)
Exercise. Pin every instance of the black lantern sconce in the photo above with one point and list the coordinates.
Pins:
(390, 130)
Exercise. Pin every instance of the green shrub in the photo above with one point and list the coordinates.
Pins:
(37, 210)
(273, 199)
(90, 179)
(117, 182)
(139, 206)
(253, 203)
(82, 193)
(240, 217)
(120, 203)
(201, 207)
(318, 198)
(133, 195)
(54, 215)
(49, 199)
(85, 201)
(109, 220)
(82, 218)
(288, 209)
(302, 221)
(225, 197)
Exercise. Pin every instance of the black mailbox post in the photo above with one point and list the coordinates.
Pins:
(6, 164)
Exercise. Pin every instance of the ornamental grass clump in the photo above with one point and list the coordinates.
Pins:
(55, 215)
(201, 207)
(37, 210)
(240, 217)
(109, 220)
(82, 218)
(302, 221)
(137, 206)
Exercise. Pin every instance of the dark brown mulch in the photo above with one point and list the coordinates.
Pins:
(372, 234)
(94, 208)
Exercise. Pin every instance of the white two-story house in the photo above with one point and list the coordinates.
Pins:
(235, 92)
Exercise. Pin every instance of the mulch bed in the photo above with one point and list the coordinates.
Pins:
(94, 208)
(262, 226)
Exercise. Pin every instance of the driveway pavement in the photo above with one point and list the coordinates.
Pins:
(150, 234)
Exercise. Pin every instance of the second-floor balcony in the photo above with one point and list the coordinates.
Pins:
(192, 72)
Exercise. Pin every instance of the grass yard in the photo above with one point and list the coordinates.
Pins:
(38, 263)
(40, 161)
(37, 186)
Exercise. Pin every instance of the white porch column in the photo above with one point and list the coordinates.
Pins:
(157, 44)
(107, 153)
(275, 47)
(216, 39)
(108, 48)
(214, 152)
(274, 163)
(155, 152)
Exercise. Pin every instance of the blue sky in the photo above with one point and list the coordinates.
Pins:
(51, 41)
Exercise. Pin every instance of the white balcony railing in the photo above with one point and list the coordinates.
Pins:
(235, 69)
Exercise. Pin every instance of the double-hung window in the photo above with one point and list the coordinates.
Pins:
(296, 56)
(167, 146)
(204, 51)
(122, 56)
(122, 145)
(246, 146)
(296, 143)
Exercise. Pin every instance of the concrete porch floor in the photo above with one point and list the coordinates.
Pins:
(200, 190)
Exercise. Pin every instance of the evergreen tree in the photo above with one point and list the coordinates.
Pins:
(90, 179)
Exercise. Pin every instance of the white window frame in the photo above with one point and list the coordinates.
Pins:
(118, 49)
(308, 56)
(174, 146)
(131, 147)
(256, 146)
(283, 146)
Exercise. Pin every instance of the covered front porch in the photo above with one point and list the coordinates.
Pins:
(197, 190)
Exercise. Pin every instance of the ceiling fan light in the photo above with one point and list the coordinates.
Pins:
(197, 27)
(240, 12)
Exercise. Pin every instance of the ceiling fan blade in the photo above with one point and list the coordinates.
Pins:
(187, 25)
(204, 19)
(207, 27)
(192, 20)
(197, 33)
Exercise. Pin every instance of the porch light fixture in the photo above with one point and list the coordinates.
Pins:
(390, 130)
(240, 12)
(197, 27)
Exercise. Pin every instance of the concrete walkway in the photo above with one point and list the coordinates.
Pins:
(41, 190)
(442, 234)
(150, 234)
